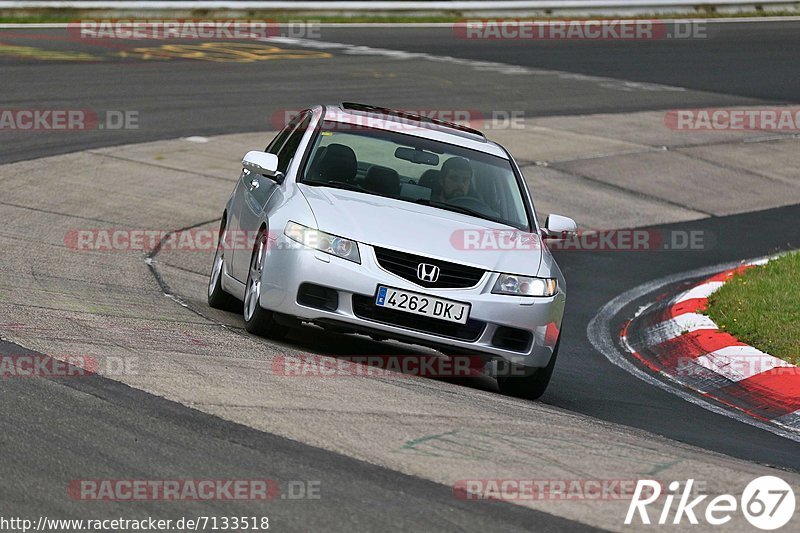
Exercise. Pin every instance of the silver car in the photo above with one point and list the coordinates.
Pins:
(363, 219)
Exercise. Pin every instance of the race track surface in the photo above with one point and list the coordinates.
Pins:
(204, 404)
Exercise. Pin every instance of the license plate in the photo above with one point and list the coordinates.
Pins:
(420, 304)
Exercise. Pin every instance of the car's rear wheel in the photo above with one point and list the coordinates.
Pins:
(258, 320)
(531, 383)
(217, 297)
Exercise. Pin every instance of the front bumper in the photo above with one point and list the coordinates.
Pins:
(288, 266)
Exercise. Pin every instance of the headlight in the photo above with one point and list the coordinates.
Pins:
(525, 286)
(324, 242)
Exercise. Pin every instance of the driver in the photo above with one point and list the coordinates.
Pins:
(456, 178)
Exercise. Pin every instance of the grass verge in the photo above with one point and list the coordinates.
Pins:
(761, 307)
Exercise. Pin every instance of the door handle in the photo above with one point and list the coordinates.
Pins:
(254, 184)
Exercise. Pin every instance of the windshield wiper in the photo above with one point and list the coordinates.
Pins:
(459, 209)
(345, 185)
(335, 185)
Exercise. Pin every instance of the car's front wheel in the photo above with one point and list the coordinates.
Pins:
(258, 320)
(217, 297)
(528, 383)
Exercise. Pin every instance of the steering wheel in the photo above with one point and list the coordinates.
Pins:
(470, 202)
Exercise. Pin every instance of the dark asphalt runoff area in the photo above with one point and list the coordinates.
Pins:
(57, 430)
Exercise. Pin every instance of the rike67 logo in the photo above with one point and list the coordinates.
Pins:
(767, 502)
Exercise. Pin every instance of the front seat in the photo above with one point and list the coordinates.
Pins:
(382, 180)
(429, 179)
(338, 163)
(432, 179)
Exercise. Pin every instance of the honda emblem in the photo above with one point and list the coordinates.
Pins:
(426, 272)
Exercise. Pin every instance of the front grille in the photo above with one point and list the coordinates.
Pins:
(364, 307)
(451, 275)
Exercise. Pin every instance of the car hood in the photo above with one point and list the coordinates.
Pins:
(424, 230)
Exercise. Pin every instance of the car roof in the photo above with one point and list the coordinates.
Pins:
(412, 124)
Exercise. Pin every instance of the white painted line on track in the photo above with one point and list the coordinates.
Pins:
(600, 335)
(481, 66)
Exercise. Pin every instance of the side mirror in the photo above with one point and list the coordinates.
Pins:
(557, 227)
(262, 163)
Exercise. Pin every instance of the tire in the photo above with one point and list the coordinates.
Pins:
(217, 297)
(530, 386)
(258, 320)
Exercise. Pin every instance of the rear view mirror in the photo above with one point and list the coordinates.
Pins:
(262, 163)
(420, 157)
(558, 227)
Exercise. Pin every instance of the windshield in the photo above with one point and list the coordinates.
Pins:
(413, 169)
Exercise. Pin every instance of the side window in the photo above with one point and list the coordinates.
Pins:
(280, 139)
(287, 151)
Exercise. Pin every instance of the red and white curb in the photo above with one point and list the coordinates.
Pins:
(674, 339)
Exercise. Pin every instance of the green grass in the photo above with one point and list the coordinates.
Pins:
(70, 15)
(762, 307)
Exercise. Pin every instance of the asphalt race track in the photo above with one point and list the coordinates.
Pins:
(62, 429)
(742, 64)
